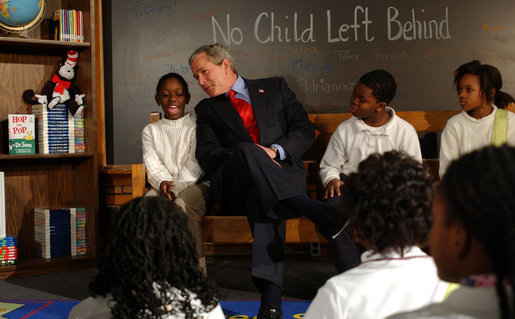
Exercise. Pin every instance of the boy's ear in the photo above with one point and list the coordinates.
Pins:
(492, 94)
(381, 106)
(157, 99)
(188, 96)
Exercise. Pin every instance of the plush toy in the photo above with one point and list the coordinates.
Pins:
(60, 89)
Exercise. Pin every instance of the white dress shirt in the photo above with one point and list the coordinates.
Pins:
(353, 141)
(380, 286)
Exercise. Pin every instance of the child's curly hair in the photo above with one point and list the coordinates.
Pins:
(150, 244)
(388, 200)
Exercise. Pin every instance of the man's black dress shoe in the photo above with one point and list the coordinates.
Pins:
(334, 224)
(267, 311)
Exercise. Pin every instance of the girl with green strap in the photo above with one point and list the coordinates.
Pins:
(483, 120)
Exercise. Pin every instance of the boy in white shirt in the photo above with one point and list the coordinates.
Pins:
(389, 201)
(373, 128)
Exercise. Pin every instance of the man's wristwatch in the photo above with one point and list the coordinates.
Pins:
(276, 150)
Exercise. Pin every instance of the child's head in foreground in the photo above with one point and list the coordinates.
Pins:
(474, 220)
(149, 250)
(388, 200)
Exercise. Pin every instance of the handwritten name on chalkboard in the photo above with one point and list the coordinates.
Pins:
(270, 27)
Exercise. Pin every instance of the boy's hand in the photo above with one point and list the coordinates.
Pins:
(166, 188)
(333, 187)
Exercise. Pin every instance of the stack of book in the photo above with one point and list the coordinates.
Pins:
(60, 232)
(68, 25)
(58, 131)
(8, 251)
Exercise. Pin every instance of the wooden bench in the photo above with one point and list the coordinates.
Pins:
(234, 229)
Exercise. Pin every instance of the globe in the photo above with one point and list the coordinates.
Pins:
(21, 15)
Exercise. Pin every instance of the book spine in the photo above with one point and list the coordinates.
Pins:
(56, 25)
(2, 207)
(73, 26)
(81, 231)
(65, 26)
(73, 231)
(81, 26)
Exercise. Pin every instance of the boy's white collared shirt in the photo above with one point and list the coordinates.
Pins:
(353, 141)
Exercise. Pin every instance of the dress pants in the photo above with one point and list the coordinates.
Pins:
(254, 184)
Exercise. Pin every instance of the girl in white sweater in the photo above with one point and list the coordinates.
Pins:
(169, 155)
(479, 90)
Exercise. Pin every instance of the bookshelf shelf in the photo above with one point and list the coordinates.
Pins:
(48, 180)
(4, 157)
(42, 43)
(39, 266)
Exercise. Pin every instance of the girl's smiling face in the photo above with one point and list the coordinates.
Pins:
(172, 99)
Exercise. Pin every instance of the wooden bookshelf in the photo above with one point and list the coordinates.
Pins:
(54, 180)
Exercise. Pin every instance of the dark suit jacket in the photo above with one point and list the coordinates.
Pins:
(280, 117)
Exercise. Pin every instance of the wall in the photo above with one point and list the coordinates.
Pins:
(320, 47)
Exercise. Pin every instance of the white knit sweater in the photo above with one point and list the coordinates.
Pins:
(169, 152)
(463, 134)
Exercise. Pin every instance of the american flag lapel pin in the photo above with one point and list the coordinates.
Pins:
(261, 91)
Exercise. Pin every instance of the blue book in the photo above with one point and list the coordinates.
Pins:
(8, 241)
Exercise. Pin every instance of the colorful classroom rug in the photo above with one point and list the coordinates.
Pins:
(59, 309)
(36, 309)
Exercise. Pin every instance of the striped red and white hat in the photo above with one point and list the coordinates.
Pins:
(72, 58)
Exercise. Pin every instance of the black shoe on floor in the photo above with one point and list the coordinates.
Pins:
(267, 311)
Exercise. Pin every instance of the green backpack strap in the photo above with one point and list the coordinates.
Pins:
(500, 127)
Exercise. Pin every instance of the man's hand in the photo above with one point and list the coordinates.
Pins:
(332, 188)
(166, 188)
(271, 153)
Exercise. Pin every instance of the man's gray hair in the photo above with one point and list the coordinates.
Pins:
(216, 53)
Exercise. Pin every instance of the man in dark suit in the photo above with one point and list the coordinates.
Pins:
(250, 138)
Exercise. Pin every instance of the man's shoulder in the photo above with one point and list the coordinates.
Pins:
(207, 102)
(265, 81)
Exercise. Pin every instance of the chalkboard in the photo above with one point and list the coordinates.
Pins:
(320, 47)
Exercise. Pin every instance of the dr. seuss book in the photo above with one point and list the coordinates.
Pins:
(21, 134)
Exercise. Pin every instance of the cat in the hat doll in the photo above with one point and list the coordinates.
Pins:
(60, 89)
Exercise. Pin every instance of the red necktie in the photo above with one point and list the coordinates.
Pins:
(246, 114)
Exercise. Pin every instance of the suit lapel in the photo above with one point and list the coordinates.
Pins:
(229, 115)
(258, 101)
